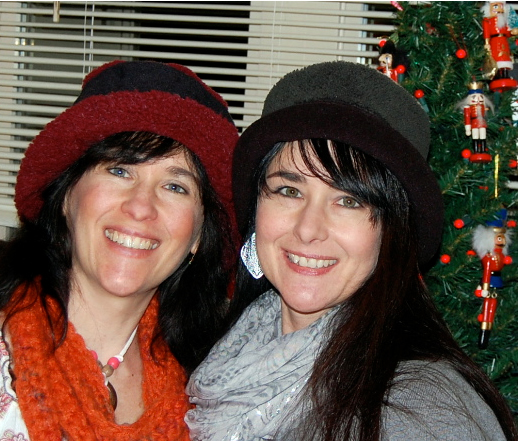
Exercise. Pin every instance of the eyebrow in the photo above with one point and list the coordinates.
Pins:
(181, 172)
(289, 176)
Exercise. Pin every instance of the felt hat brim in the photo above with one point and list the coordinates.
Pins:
(360, 129)
(209, 135)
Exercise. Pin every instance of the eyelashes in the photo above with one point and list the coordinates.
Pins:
(290, 192)
(174, 187)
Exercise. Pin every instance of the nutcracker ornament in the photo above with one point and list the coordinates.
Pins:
(491, 243)
(393, 62)
(497, 31)
(474, 107)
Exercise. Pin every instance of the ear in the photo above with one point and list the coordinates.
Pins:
(65, 209)
(196, 244)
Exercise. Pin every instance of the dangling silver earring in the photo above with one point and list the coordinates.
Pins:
(250, 258)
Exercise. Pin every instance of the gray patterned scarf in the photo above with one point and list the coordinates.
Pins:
(248, 386)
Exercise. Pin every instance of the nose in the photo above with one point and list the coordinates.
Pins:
(140, 203)
(311, 223)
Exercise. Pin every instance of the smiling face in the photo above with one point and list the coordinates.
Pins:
(133, 225)
(317, 244)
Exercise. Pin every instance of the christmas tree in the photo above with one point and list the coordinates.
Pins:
(449, 63)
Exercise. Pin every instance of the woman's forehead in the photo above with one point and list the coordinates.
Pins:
(295, 155)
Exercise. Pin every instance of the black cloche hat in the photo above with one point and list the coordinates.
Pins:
(357, 105)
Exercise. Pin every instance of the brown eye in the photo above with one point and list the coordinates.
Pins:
(349, 202)
(289, 192)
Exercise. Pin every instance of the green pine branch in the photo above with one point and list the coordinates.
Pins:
(431, 33)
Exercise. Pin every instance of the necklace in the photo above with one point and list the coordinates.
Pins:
(113, 363)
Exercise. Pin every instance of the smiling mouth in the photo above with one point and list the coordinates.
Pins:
(137, 243)
(310, 263)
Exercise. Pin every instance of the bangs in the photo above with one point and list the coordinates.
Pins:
(139, 147)
(136, 147)
(348, 169)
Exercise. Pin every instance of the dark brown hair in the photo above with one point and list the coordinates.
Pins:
(192, 300)
(391, 318)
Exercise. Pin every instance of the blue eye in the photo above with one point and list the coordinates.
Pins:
(176, 188)
(289, 192)
(118, 171)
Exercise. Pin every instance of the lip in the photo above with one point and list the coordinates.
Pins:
(129, 240)
(309, 264)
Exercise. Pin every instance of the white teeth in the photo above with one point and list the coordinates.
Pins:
(127, 241)
(310, 263)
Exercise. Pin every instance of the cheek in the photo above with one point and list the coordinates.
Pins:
(367, 243)
(375, 245)
(72, 208)
(81, 206)
(185, 223)
(268, 223)
(198, 221)
(267, 229)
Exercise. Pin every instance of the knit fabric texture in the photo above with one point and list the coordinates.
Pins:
(357, 105)
(61, 392)
(166, 99)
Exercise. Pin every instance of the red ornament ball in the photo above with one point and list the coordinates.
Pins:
(458, 223)
(419, 93)
(466, 153)
(401, 69)
(461, 53)
(471, 253)
(445, 259)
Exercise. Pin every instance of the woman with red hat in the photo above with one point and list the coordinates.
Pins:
(335, 336)
(113, 289)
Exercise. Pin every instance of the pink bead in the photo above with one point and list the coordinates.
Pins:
(114, 362)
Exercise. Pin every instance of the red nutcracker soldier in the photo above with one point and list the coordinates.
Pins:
(496, 35)
(491, 242)
(393, 61)
(474, 107)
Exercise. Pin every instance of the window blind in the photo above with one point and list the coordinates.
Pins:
(239, 48)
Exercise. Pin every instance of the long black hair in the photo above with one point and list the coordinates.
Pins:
(391, 318)
(192, 301)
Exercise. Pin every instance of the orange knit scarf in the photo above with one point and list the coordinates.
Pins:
(62, 394)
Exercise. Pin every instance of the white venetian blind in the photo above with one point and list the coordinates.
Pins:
(239, 48)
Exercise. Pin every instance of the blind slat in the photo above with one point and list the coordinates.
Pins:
(160, 42)
(268, 7)
(241, 49)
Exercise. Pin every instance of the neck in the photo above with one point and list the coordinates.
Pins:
(105, 323)
(295, 321)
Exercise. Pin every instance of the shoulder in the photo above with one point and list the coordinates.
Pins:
(431, 401)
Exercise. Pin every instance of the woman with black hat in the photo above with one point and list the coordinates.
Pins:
(114, 287)
(335, 335)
